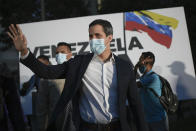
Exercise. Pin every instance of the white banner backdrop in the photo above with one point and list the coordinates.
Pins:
(161, 31)
(175, 62)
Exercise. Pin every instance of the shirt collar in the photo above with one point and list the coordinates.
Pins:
(110, 60)
(148, 72)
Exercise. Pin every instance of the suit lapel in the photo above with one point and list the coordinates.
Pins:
(123, 78)
(84, 64)
(119, 76)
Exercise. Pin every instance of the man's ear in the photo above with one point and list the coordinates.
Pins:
(110, 37)
(69, 55)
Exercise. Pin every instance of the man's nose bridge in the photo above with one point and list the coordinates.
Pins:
(94, 37)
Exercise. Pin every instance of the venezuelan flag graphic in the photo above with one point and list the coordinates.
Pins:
(157, 26)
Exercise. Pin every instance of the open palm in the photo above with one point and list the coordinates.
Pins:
(17, 37)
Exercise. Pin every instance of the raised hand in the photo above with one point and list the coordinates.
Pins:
(18, 39)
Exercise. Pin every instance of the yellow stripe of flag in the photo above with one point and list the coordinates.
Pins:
(163, 20)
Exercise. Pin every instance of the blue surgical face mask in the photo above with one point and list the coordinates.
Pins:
(97, 46)
(61, 57)
(142, 69)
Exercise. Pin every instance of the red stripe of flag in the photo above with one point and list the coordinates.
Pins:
(156, 36)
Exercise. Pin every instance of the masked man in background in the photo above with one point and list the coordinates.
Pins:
(155, 114)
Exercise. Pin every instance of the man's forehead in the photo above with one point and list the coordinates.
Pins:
(62, 47)
(96, 28)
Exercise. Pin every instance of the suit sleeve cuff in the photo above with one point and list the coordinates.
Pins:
(25, 56)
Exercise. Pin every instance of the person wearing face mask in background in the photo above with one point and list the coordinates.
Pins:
(63, 52)
(155, 114)
(50, 90)
(98, 84)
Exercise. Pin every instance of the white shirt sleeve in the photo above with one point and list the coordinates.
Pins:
(25, 56)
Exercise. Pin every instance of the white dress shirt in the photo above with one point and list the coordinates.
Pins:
(99, 102)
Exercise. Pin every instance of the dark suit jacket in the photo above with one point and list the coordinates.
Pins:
(73, 71)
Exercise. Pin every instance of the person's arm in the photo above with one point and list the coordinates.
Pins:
(43, 71)
(37, 82)
(136, 68)
(136, 105)
(137, 75)
(28, 86)
(46, 71)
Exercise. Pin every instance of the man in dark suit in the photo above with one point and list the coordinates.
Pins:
(97, 84)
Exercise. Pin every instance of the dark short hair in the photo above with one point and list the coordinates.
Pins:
(107, 27)
(43, 57)
(64, 44)
(149, 54)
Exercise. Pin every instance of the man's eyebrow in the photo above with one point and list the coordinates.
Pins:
(97, 34)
